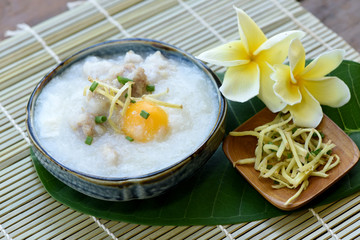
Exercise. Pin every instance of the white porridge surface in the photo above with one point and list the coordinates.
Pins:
(61, 109)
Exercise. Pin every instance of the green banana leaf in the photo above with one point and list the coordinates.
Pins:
(218, 194)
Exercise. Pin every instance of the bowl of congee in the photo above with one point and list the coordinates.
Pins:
(126, 119)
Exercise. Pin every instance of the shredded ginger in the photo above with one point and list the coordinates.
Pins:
(113, 95)
(289, 155)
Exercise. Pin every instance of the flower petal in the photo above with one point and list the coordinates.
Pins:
(241, 82)
(323, 64)
(296, 57)
(275, 49)
(266, 93)
(250, 33)
(227, 55)
(283, 87)
(329, 91)
(308, 113)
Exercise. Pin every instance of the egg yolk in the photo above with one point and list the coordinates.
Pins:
(142, 129)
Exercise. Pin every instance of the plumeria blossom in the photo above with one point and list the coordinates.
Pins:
(305, 88)
(248, 61)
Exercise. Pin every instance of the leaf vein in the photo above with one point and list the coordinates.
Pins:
(353, 86)
(218, 191)
(233, 111)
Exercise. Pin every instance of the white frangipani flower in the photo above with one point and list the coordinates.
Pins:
(303, 89)
(248, 61)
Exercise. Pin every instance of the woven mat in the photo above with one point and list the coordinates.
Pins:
(28, 211)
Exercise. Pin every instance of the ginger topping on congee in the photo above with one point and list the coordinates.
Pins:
(125, 116)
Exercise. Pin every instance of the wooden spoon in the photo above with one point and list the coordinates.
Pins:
(237, 148)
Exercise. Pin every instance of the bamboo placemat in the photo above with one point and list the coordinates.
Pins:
(28, 211)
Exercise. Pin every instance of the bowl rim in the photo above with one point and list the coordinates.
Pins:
(222, 109)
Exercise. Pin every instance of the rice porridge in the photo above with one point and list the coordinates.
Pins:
(125, 116)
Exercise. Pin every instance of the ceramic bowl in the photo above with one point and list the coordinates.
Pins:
(140, 187)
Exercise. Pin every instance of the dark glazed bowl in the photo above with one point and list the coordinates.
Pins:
(141, 187)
